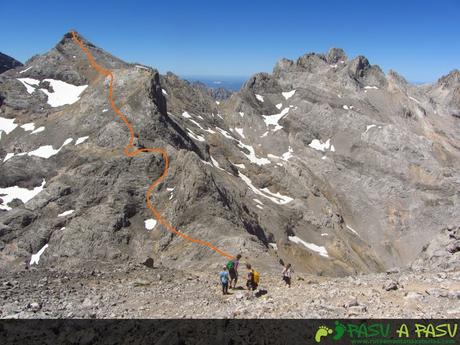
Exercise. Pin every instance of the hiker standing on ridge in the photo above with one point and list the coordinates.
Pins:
(253, 278)
(287, 273)
(223, 276)
(232, 266)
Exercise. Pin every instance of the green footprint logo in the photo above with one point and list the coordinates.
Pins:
(339, 330)
(322, 331)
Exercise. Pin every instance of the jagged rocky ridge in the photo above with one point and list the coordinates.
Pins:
(327, 163)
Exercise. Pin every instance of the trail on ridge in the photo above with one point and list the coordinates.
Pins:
(131, 151)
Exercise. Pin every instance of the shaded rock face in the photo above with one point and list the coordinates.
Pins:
(7, 62)
(326, 163)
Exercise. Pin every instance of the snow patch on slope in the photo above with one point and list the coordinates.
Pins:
(63, 93)
(274, 119)
(277, 198)
(10, 193)
(35, 258)
(260, 98)
(318, 249)
(320, 146)
(252, 155)
(150, 223)
(288, 94)
(47, 151)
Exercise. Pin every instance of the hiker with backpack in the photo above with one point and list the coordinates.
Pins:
(223, 276)
(253, 278)
(232, 266)
(287, 273)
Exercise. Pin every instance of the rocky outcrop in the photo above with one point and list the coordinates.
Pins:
(442, 253)
(7, 62)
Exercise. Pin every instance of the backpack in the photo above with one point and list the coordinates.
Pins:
(230, 264)
(255, 276)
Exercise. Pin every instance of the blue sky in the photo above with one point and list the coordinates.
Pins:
(419, 39)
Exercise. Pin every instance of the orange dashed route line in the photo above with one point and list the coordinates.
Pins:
(128, 151)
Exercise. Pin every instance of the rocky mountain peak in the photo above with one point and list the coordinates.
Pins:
(452, 79)
(261, 82)
(358, 66)
(335, 55)
(392, 74)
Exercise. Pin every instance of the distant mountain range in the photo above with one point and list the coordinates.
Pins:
(229, 83)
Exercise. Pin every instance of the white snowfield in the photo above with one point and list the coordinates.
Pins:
(252, 155)
(215, 162)
(369, 127)
(25, 70)
(258, 201)
(195, 136)
(260, 98)
(8, 156)
(38, 130)
(241, 114)
(224, 133)
(48, 151)
(320, 146)
(273, 119)
(150, 223)
(288, 94)
(35, 258)
(29, 84)
(66, 213)
(7, 125)
(414, 99)
(279, 106)
(240, 132)
(371, 87)
(348, 107)
(209, 130)
(241, 166)
(81, 140)
(10, 193)
(352, 230)
(277, 198)
(273, 245)
(318, 249)
(163, 91)
(63, 93)
(288, 154)
(28, 127)
(196, 124)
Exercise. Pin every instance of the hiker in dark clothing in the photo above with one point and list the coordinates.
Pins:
(233, 270)
(253, 278)
(287, 273)
(223, 276)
